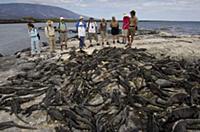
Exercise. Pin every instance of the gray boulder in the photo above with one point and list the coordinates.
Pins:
(27, 66)
(1, 55)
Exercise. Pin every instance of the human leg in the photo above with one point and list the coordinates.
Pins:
(113, 39)
(90, 37)
(95, 37)
(81, 43)
(54, 43)
(33, 52)
(131, 34)
(63, 40)
(38, 50)
(117, 36)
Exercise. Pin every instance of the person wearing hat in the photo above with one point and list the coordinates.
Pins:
(62, 29)
(35, 46)
(92, 30)
(81, 29)
(50, 34)
(125, 27)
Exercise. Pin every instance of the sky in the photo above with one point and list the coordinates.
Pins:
(179, 10)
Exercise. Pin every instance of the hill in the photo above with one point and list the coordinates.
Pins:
(21, 10)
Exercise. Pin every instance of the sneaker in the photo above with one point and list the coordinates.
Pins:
(127, 45)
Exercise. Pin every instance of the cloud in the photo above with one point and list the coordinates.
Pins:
(146, 9)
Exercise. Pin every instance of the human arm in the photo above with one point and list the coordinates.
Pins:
(46, 32)
(136, 23)
(77, 24)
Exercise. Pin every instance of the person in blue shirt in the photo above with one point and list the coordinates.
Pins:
(34, 35)
(81, 29)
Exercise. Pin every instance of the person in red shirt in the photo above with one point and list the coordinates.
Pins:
(125, 28)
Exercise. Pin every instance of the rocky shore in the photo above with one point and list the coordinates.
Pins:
(153, 86)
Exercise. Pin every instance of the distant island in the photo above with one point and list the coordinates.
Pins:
(21, 12)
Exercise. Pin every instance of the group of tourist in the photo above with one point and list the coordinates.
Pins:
(90, 28)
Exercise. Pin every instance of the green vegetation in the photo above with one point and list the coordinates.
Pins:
(35, 20)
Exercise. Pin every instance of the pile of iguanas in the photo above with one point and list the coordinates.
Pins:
(111, 90)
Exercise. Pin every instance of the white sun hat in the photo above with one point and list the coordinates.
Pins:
(81, 17)
(49, 22)
(126, 14)
(61, 18)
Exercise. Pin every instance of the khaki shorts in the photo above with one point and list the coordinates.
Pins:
(131, 31)
(103, 34)
(92, 36)
(63, 37)
(125, 32)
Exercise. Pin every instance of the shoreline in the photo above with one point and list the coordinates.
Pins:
(154, 41)
(16, 21)
(143, 37)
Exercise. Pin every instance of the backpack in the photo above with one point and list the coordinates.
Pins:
(38, 35)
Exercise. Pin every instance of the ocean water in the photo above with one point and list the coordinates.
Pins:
(14, 37)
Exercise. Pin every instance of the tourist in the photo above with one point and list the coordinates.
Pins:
(125, 28)
(35, 46)
(92, 30)
(81, 29)
(50, 34)
(103, 31)
(132, 28)
(62, 29)
(115, 29)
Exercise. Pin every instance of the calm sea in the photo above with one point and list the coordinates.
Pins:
(14, 37)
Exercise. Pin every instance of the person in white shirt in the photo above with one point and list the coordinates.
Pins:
(81, 29)
(92, 30)
(50, 34)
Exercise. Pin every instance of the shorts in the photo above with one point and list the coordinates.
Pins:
(63, 37)
(92, 35)
(131, 31)
(103, 34)
(125, 32)
(115, 31)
